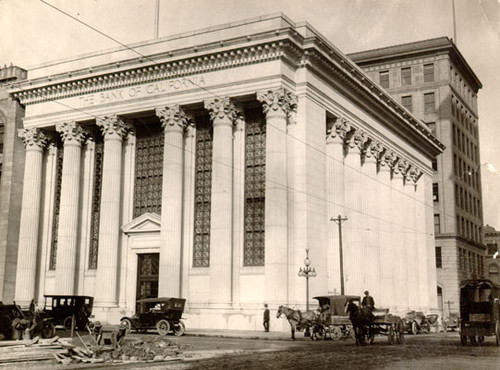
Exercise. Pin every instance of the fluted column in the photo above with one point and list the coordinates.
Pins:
(421, 240)
(113, 130)
(385, 204)
(411, 242)
(277, 105)
(336, 134)
(72, 136)
(355, 264)
(174, 121)
(35, 142)
(371, 215)
(223, 114)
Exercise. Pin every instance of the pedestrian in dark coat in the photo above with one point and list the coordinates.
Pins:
(266, 318)
(368, 301)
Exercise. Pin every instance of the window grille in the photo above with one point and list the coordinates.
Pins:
(203, 191)
(437, 225)
(439, 260)
(405, 76)
(406, 102)
(148, 170)
(96, 206)
(55, 216)
(255, 189)
(429, 103)
(384, 79)
(429, 72)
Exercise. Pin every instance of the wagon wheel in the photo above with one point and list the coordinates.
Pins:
(179, 328)
(463, 339)
(67, 322)
(163, 327)
(349, 332)
(390, 334)
(127, 324)
(414, 328)
(49, 330)
(335, 333)
(497, 332)
(400, 332)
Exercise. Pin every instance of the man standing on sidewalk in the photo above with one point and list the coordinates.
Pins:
(266, 318)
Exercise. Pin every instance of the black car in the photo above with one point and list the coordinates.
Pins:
(162, 314)
(63, 309)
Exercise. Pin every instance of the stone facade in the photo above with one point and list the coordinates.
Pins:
(204, 168)
(492, 260)
(434, 82)
(11, 179)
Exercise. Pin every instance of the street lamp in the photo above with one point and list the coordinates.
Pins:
(307, 271)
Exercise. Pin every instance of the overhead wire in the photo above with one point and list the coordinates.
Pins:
(286, 134)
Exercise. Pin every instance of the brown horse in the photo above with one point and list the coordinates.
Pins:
(296, 318)
(361, 320)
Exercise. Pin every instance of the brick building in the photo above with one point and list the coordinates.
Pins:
(11, 177)
(433, 81)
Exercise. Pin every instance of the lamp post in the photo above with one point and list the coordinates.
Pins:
(307, 271)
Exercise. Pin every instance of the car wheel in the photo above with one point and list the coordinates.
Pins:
(163, 327)
(49, 330)
(179, 328)
(68, 322)
(390, 334)
(414, 328)
(127, 324)
(335, 333)
(497, 332)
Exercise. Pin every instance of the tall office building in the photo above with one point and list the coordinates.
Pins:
(492, 263)
(433, 81)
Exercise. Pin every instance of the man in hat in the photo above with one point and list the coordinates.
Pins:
(266, 318)
(368, 301)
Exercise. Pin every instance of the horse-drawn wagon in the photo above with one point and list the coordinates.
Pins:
(368, 323)
(333, 322)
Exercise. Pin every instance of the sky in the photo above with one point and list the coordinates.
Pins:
(32, 33)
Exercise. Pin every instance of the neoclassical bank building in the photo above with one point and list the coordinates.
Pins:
(203, 165)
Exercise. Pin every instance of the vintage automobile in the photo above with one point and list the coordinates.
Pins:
(479, 311)
(63, 309)
(162, 314)
(8, 312)
(452, 322)
(416, 322)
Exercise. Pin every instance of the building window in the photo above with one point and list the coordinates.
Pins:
(57, 203)
(2, 130)
(255, 189)
(493, 269)
(96, 205)
(202, 193)
(437, 224)
(429, 104)
(406, 102)
(435, 192)
(148, 170)
(406, 76)
(434, 164)
(384, 79)
(492, 248)
(429, 72)
(439, 261)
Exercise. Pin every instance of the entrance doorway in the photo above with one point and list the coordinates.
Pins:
(147, 276)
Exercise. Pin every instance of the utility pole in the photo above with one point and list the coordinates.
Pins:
(339, 221)
(157, 18)
(448, 302)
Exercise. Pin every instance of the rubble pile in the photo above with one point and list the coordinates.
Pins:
(15, 351)
(140, 350)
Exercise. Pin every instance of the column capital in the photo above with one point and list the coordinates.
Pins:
(374, 150)
(33, 137)
(222, 110)
(402, 167)
(71, 132)
(337, 128)
(173, 117)
(278, 102)
(415, 173)
(113, 126)
(389, 159)
(357, 139)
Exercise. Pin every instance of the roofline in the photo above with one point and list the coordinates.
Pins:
(442, 43)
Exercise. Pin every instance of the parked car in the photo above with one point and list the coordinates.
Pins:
(416, 322)
(433, 320)
(63, 308)
(8, 312)
(162, 314)
(452, 322)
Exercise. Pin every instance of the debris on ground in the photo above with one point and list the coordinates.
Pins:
(140, 350)
(35, 349)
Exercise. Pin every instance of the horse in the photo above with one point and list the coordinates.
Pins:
(297, 318)
(361, 320)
